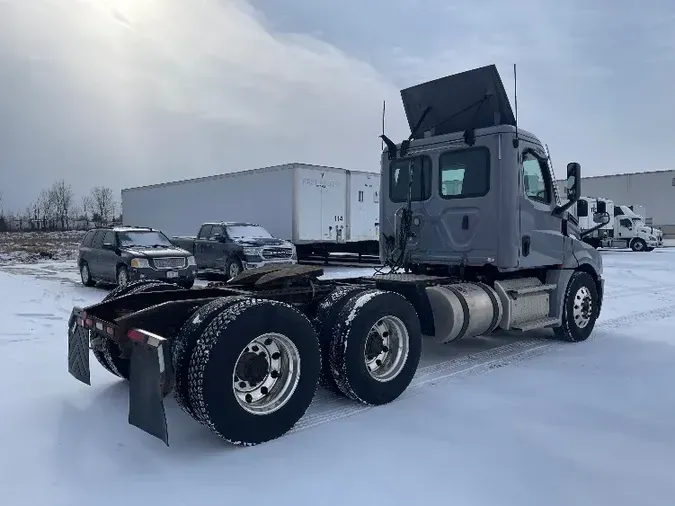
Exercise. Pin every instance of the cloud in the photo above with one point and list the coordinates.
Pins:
(131, 92)
(125, 93)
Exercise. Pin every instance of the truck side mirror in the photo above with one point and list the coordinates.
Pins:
(572, 188)
(601, 218)
(573, 184)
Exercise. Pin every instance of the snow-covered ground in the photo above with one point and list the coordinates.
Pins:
(505, 420)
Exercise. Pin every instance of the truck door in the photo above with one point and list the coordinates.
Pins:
(217, 250)
(202, 247)
(625, 230)
(541, 239)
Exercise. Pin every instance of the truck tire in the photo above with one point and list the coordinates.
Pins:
(269, 353)
(376, 347)
(324, 322)
(232, 268)
(580, 309)
(110, 354)
(184, 343)
(638, 244)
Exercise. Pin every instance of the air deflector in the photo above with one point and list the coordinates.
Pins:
(472, 99)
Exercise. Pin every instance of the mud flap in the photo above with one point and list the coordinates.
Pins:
(146, 391)
(78, 349)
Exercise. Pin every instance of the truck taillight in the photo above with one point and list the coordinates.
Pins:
(135, 336)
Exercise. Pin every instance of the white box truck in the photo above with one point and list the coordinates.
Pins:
(314, 207)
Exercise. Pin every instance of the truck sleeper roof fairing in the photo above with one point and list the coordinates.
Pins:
(469, 100)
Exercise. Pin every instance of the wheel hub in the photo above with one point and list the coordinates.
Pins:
(583, 307)
(266, 374)
(386, 349)
(252, 367)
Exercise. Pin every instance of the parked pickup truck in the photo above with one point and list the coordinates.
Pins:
(230, 247)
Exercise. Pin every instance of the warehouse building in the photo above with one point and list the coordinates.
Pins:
(655, 190)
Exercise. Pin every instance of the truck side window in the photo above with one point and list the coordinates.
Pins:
(535, 180)
(216, 231)
(204, 232)
(399, 181)
(625, 222)
(465, 173)
(582, 208)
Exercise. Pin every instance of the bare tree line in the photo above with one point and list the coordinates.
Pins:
(56, 209)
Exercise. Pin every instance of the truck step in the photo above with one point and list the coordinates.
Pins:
(531, 289)
(539, 323)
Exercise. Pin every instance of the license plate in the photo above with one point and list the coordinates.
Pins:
(171, 274)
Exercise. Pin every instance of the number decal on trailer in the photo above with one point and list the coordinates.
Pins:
(339, 218)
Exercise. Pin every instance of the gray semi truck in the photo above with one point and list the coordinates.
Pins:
(475, 240)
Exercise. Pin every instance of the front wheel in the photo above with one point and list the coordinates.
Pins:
(638, 245)
(122, 276)
(581, 308)
(233, 268)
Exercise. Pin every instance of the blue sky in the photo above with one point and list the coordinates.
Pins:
(131, 92)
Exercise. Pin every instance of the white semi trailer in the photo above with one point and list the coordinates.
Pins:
(316, 208)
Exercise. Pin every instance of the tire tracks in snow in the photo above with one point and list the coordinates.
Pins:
(476, 363)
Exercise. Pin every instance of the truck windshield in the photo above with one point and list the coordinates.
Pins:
(244, 231)
(147, 239)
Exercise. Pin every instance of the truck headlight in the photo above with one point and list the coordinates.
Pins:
(191, 260)
(140, 263)
(252, 252)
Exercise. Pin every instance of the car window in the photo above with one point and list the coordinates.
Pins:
(109, 237)
(97, 241)
(88, 237)
(534, 180)
(464, 173)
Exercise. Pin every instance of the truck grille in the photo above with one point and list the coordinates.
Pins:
(276, 253)
(169, 263)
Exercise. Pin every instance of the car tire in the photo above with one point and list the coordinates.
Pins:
(122, 276)
(581, 308)
(85, 275)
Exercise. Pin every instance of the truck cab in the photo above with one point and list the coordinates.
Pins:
(480, 190)
(630, 231)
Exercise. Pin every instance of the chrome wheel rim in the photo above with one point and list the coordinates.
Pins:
(387, 348)
(266, 374)
(583, 307)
